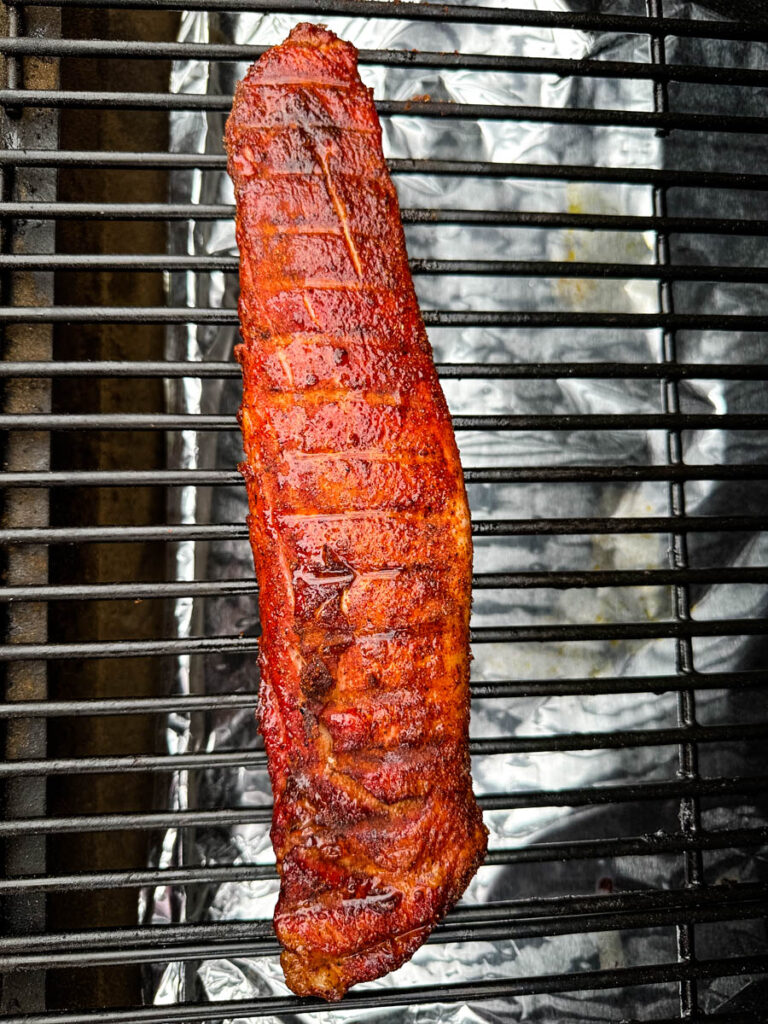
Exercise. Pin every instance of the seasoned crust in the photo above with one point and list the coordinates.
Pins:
(359, 526)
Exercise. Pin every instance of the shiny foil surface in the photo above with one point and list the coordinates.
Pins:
(530, 714)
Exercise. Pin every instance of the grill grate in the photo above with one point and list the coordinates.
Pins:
(33, 216)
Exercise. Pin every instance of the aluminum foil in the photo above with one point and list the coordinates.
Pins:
(435, 964)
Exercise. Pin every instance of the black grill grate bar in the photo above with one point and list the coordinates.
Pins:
(630, 846)
(129, 822)
(421, 215)
(500, 421)
(689, 812)
(173, 532)
(618, 631)
(741, 274)
(492, 422)
(162, 948)
(489, 932)
(476, 991)
(748, 28)
(481, 690)
(613, 978)
(585, 849)
(472, 475)
(255, 760)
(84, 881)
(431, 317)
(547, 907)
(131, 705)
(103, 159)
(575, 633)
(142, 49)
(562, 580)
(550, 911)
(450, 371)
(665, 121)
(586, 796)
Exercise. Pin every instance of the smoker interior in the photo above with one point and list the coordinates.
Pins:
(88, 599)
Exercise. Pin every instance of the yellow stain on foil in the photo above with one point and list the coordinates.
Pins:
(573, 289)
(576, 245)
(584, 246)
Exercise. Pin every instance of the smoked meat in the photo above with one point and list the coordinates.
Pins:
(359, 526)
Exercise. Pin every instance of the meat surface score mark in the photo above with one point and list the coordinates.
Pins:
(359, 526)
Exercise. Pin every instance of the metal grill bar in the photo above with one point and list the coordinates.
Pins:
(127, 705)
(143, 49)
(690, 811)
(748, 29)
(617, 978)
(494, 371)
(459, 168)
(488, 931)
(59, 99)
(484, 990)
(249, 938)
(486, 634)
(547, 908)
(599, 849)
(139, 879)
(586, 796)
(502, 421)
(481, 690)
(419, 267)
(488, 218)
(431, 317)
(479, 635)
(480, 528)
(480, 581)
(472, 475)
(623, 684)
(256, 760)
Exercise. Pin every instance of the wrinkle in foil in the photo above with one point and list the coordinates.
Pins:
(201, 131)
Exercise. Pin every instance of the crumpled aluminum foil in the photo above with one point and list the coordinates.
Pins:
(220, 978)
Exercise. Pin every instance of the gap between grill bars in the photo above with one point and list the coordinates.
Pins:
(693, 903)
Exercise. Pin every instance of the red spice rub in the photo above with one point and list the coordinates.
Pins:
(359, 526)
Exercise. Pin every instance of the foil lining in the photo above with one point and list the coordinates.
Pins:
(220, 978)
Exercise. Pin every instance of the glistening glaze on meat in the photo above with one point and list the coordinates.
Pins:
(359, 527)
